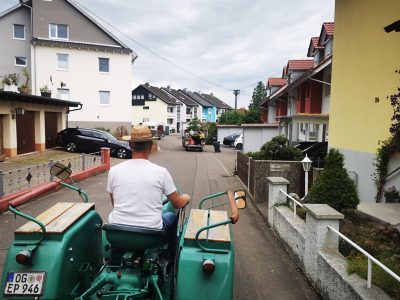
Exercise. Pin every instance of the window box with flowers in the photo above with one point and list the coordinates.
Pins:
(45, 91)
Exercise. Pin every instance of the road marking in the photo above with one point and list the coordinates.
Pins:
(226, 171)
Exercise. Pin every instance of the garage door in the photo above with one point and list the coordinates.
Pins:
(25, 132)
(50, 129)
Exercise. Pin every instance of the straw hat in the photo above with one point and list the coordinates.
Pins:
(139, 133)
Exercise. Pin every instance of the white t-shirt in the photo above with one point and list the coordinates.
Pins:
(137, 186)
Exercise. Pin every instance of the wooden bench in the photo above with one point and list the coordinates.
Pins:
(57, 218)
(198, 219)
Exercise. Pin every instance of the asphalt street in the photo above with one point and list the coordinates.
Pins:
(263, 269)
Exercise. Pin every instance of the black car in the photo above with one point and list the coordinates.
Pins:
(91, 140)
(230, 139)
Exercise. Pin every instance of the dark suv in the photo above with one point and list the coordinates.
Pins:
(91, 140)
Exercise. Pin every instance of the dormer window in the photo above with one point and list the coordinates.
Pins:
(58, 31)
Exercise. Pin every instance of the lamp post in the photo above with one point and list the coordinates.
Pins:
(306, 162)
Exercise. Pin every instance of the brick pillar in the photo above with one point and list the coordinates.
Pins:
(105, 157)
(318, 236)
(274, 185)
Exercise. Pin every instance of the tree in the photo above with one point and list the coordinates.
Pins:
(232, 117)
(334, 186)
(259, 94)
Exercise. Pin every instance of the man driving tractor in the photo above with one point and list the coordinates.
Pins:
(136, 187)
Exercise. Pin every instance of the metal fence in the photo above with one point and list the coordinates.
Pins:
(19, 179)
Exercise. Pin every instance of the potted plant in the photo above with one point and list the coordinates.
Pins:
(45, 91)
(10, 82)
(24, 88)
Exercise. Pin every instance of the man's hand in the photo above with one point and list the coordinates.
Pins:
(186, 197)
(179, 201)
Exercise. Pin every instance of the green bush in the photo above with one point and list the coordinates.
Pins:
(211, 132)
(277, 149)
(334, 186)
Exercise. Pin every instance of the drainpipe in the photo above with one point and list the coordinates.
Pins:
(33, 52)
(69, 110)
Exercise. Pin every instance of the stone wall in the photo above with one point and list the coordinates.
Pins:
(315, 247)
(291, 170)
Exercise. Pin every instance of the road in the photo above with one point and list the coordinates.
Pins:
(263, 270)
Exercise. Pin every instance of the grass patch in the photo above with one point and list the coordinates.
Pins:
(381, 241)
(379, 277)
(42, 158)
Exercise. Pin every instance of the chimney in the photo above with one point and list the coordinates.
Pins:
(168, 87)
(147, 84)
(212, 94)
(184, 90)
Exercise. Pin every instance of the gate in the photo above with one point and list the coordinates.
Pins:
(50, 120)
(242, 167)
(25, 132)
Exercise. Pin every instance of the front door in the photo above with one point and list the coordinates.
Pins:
(50, 120)
(25, 132)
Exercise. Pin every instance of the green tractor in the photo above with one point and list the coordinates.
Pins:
(68, 253)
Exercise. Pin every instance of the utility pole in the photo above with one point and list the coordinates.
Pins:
(236, 93)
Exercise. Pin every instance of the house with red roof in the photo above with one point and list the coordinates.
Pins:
(299, 101)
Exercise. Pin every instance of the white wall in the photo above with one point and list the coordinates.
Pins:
(225, 131)
(84, 82)
(255, 137)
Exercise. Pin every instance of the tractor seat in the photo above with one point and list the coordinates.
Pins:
(133, 238)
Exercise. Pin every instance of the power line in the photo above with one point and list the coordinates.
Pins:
(151, 51)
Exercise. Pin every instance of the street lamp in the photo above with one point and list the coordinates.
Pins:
(306, 162)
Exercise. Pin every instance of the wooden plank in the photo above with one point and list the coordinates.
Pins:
(220, 233)
(46, 217)
(197, 220)
(68, 217)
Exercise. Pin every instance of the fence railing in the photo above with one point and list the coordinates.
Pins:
(19, 179)
(295, 202)
(369, 256)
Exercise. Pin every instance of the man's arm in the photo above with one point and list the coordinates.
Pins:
(178, 201)
(112, 199)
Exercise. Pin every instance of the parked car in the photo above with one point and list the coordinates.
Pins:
(230, 139)
(91, 140)
(239, 142)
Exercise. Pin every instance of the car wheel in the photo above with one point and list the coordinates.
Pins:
(71, 147)
(239, 146)
(122, 153)
(187, 148)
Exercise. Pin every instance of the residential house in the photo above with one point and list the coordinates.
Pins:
(300, 101)
(152, 104)
(187, 109)
(366, 57)
(219, 104)
(30, 123)
(208, 110)
(64, 47)
(269, 112)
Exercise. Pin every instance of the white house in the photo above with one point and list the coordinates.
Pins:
(66, 49)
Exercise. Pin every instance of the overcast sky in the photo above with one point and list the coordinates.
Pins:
(231, 44)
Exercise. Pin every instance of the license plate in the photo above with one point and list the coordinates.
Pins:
(25, 283)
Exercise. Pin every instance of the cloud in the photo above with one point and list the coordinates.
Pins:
(233, 44)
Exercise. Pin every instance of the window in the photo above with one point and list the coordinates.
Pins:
(20, 61)
(195, 110)
(59, 31)
(146, 119)
(141, 97)
(170, 109)
(62, 61)
(170, 121)
(104, 65)
(188, 111)
(146, 107)
(19, 32)
(104, 97)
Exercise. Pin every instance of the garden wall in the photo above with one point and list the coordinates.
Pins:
(315, 248)
(260, 170)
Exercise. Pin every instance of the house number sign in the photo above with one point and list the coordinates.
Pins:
(279, 167)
